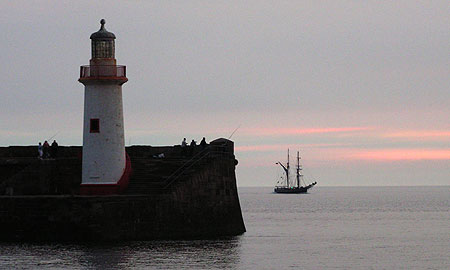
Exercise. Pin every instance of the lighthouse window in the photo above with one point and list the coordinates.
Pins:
(95, 125)
(103, 49)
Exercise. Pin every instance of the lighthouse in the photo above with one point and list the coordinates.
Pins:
(105, 165)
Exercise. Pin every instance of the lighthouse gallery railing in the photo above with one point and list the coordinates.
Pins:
(103, 71)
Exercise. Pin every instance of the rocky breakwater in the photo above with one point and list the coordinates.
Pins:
(183, 194)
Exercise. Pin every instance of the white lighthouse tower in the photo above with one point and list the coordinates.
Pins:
(105, 166)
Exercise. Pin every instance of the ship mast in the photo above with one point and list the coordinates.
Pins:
(287, 170)
(299, 175)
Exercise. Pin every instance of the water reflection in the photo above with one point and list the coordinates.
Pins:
(39, 256)
(195, 254)
(198, 254)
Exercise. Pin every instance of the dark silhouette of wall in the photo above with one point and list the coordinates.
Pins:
(202, 203)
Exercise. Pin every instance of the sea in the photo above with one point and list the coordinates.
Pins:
(328, 228)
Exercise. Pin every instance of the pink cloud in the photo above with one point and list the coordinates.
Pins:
(283, 147)
(436, 134)
(299, 131)
(334, 153)
(398, 154)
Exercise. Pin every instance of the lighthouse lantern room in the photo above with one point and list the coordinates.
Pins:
(105, 166)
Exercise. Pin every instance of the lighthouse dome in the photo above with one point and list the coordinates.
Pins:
(103, 33)
(103, 43)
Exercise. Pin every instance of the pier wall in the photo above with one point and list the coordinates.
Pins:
(203, 205)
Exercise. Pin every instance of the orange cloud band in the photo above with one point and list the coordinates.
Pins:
(419, 134)
(283, 147)
(297, 131)
(336, 152)
(400, 154)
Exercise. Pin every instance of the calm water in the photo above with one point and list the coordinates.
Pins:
(330, 228)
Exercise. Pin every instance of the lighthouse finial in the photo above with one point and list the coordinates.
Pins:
(102, 33)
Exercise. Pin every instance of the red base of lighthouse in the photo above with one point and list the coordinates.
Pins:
(109, 189)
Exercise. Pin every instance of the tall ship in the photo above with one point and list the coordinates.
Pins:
(296, 186)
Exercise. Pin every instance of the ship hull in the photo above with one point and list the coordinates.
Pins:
(294, 190)
(290, 190)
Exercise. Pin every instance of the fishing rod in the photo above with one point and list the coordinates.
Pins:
(234, 132)
(52, 137)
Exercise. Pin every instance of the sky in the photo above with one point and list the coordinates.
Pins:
(360, 88)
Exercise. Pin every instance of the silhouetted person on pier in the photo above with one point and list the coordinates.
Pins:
(46, 146)
(192, 147)
(54, 149)
(203, 142)
(184, 148)
(40, 151)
